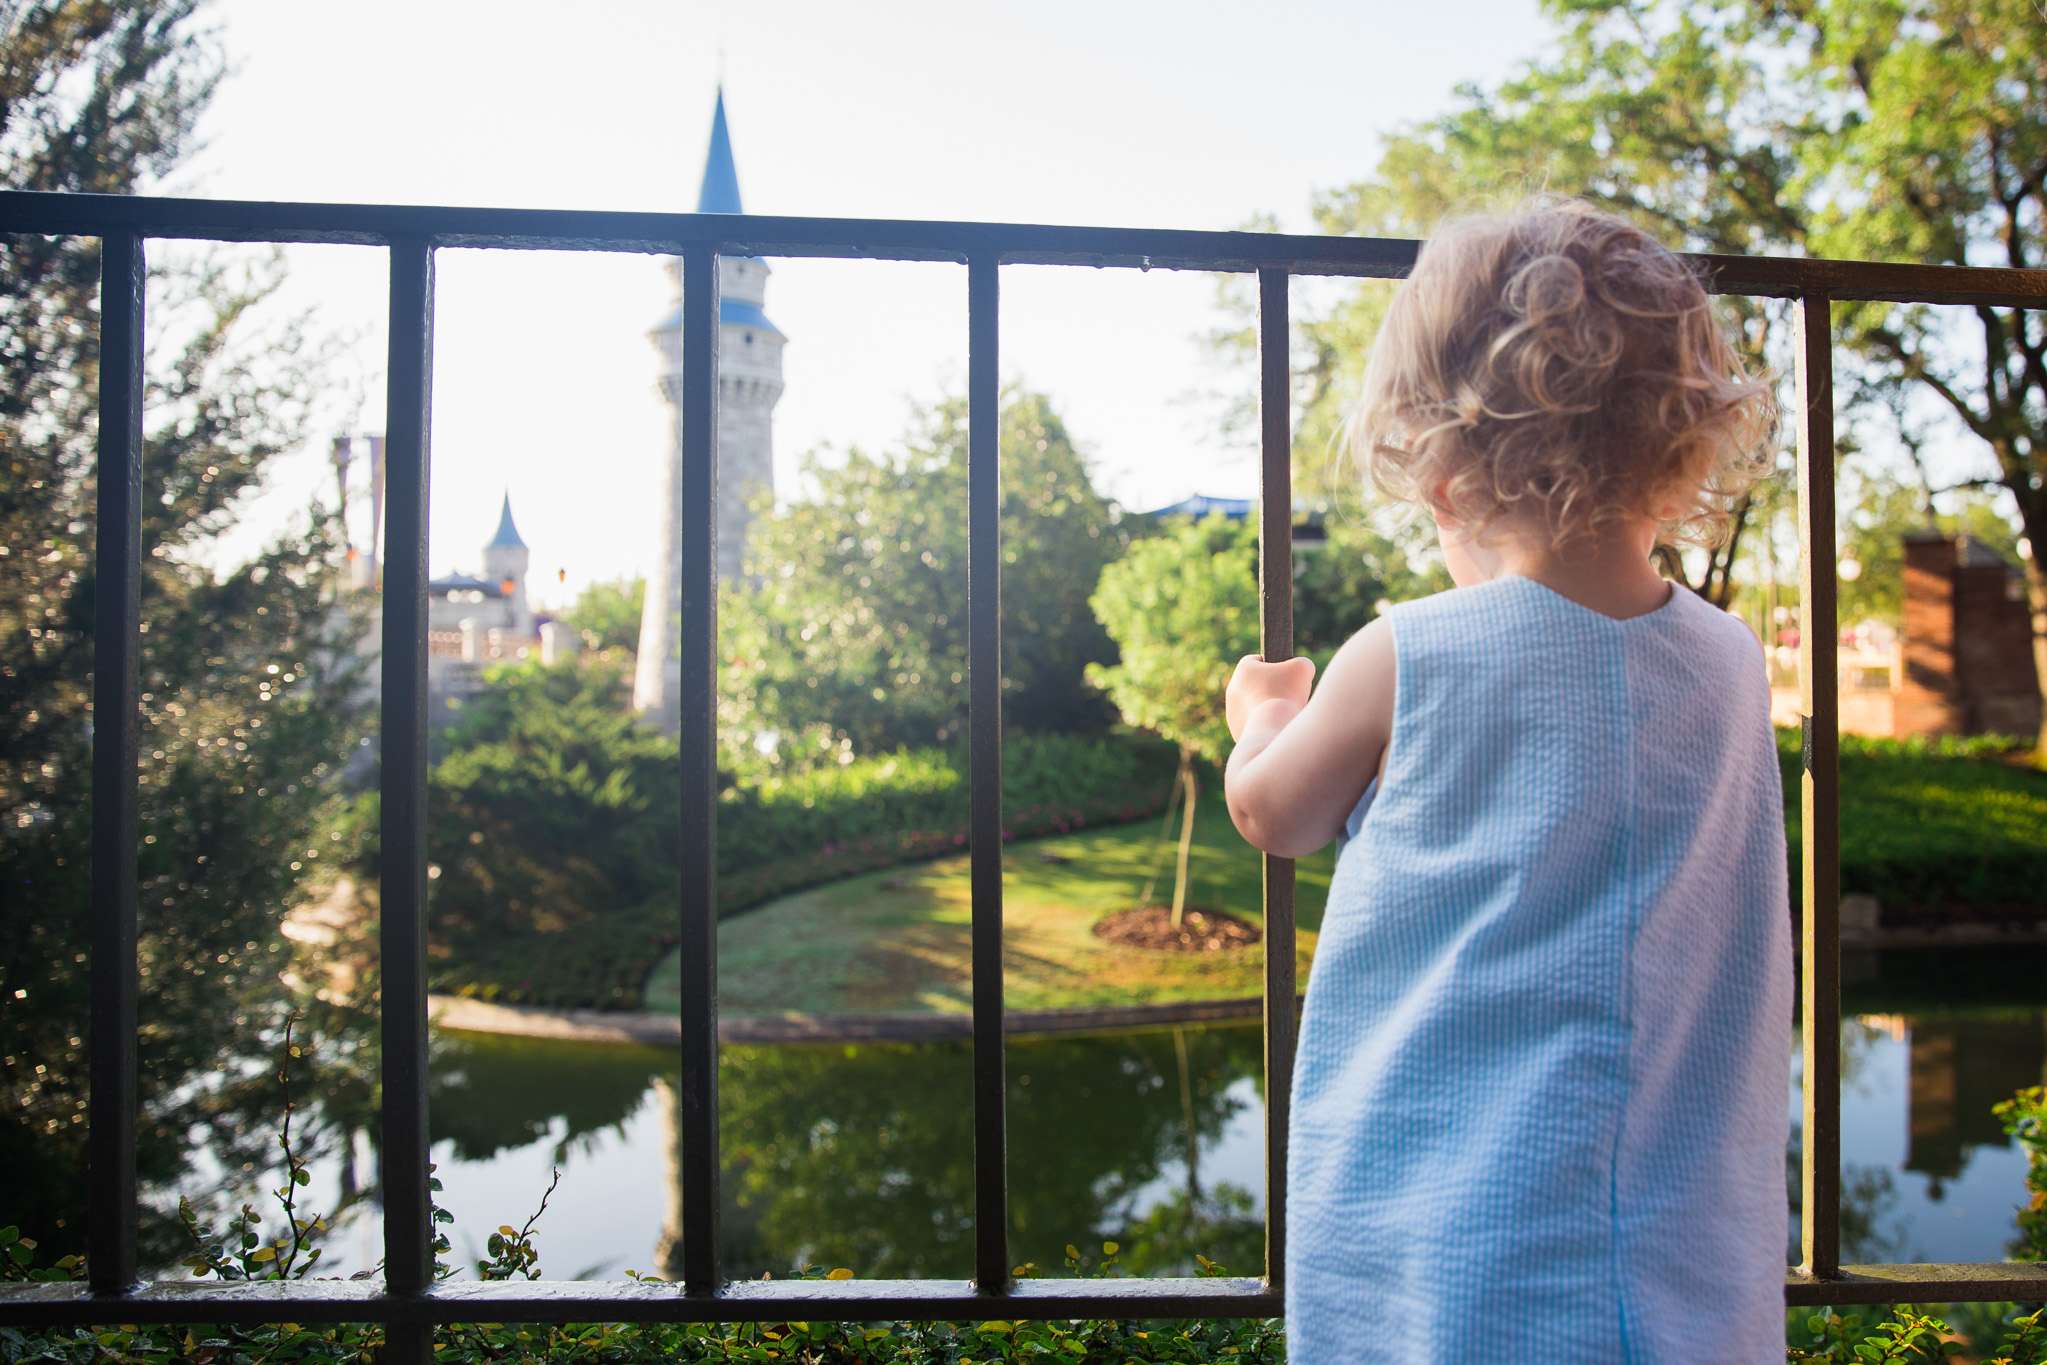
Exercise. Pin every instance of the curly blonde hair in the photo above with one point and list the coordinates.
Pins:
(1556, 361)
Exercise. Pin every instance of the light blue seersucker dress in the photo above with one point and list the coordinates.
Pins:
(1539, 1107)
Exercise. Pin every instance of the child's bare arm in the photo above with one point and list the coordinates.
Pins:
(1302, 762)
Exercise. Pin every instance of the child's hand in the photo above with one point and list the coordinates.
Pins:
(1256, 682)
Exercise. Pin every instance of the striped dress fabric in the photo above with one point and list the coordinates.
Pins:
(1539, 1103)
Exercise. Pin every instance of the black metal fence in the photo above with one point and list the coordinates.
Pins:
(408, 1299)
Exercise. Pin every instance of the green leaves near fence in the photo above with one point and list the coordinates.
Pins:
(2024, 1117)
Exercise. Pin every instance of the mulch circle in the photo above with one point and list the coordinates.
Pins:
(1200, 931)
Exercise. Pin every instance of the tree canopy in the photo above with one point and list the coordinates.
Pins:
(1911, 130)
(607, 615)
(1182, 608)
(248, 681)
(851, 636)
(552, 837)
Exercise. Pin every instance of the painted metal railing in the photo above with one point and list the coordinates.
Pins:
(407, 1298)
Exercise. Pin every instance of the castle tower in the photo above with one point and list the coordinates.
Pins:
(749, 383)
(505, 561)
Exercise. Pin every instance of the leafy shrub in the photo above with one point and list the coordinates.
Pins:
(553, 811)
(1932, 826)
(2024, 1117)
(1908, 1338)
(1237, 1341)
(1098, 1342)
(551, 841)
(798, 830)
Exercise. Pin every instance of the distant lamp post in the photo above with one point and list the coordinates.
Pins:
(363, 563)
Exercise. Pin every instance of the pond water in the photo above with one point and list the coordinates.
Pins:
(861, 1156)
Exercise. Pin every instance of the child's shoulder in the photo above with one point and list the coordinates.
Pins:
(1515, 616)
(1727, 632)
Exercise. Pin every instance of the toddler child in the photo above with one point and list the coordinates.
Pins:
(1539, 1106)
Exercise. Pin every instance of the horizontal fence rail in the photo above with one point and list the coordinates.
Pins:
(220, 220)
(407, 1299)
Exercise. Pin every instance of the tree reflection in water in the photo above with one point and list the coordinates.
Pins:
(862, 1155)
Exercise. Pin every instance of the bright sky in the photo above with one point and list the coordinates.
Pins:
(1194, 115)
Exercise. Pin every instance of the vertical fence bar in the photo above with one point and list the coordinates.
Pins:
(697, 707)
(1820, 797)
(408, 1219)
(1276, 642)
(116, 689)
(984, 773)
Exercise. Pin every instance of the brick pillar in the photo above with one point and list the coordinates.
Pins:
(1994, 670)
(1929, 698)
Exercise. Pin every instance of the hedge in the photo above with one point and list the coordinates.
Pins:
(796, 831)
(1939, 829)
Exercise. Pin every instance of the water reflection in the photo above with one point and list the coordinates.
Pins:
(1927, 1173)
(862, 1156)
(1960, 1067)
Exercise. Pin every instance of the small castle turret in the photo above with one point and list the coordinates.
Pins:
(505, 560)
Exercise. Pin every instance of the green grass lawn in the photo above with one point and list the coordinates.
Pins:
(1935, 834)
(898, 940)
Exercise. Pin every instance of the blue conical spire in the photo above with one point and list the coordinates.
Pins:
(508, 534)
(720, 193)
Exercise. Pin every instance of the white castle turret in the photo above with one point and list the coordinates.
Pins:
(749, 383)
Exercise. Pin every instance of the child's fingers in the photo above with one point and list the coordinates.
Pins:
(1255, 681)
(1291, 678)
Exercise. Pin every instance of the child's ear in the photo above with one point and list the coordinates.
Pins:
(1440, 506)
(1666, 506)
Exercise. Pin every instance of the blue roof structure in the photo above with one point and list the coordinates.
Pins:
(731, 312)
(720, 192)
(462, 582)
(739, 313)
(507, 537)
(1198, 506)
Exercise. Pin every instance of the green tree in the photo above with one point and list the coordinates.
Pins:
(607, 615)
(1182, 608)
(1340, 585)
(852, 638)
(552, 839)
(1878, 129)
(248, 689)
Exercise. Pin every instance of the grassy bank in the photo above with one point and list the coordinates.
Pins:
(900, 940)
(858, 880)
